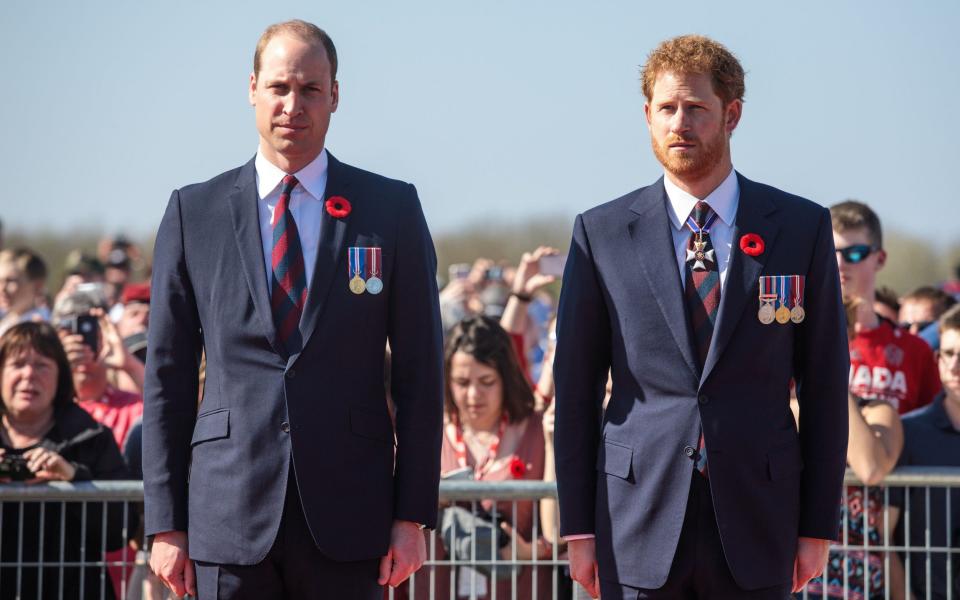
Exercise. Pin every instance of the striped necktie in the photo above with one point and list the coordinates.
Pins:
(289, 278)
(702, 292)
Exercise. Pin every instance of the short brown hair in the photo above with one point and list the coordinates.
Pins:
(695, 54)
(42, 338)
(939, 298)
(852, 214)
(485, 340)
(886, 296)
(949, 320)
(307, 32)
(27, 262)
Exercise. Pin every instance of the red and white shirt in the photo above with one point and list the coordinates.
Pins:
(893, 365)
(118, 410)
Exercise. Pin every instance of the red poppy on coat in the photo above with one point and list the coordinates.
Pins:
(752, 244)
(517, 467)
(338, 206)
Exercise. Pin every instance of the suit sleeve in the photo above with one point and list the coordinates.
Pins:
(822, 369)
(416, 344)
(580, 369)
(171, 382)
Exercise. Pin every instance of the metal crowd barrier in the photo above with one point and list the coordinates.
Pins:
(76, 567)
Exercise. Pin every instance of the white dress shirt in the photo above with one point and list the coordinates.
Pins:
(724, 201)
(306, 205)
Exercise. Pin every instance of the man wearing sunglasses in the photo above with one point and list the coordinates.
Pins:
(886, 362)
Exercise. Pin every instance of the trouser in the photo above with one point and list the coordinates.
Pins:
(699, 569)
(293, 569)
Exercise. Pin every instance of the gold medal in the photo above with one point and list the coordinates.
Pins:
(357, 286)
(766, 314)
(783, 315)
(797, 315)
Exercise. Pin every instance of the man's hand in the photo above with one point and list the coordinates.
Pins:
(811, 558)
(170, 562)
(408, 551)
(583, 564)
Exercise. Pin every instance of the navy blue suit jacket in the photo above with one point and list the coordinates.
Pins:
(624, 474)
(220, 472)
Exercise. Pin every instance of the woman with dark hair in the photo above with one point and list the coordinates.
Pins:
(491, 433)
(45, 436)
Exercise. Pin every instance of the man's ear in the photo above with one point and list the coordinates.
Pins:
(252, 91)
(646, 112)
(881, 258)
(732, 115)
(335, 92)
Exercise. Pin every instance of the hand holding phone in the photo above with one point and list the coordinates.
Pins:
(553, 264)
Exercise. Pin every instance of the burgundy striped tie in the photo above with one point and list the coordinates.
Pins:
(702, 292)
(289, 278)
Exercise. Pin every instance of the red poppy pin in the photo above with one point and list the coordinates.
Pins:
(752, 244)
(517, 468)
(338, 207)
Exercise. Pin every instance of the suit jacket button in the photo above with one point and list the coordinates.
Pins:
(285, 427)
(689, 451)
(291, 374)
(703, 399)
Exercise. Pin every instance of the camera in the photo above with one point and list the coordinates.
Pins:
(15, 467)
(87, 327)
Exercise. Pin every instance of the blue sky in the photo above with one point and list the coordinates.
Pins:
(516, 109)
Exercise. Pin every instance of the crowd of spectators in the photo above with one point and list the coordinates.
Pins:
(72, 370)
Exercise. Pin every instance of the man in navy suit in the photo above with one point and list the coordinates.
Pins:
(705, 296)
(291, 273)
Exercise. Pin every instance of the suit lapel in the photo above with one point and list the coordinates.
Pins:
(652, 235)
(333, 233)
(246, 227)
(743, 271)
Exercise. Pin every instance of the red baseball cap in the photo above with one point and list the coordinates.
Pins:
(136, 292)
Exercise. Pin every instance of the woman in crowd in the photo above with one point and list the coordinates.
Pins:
(45, 436)
(875, 442)
(491, 433)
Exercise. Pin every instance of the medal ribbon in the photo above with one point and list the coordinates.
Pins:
(782, 292)
(357, 262)
(692, 224)
(461, 447)
(376, 262)
(798, 290)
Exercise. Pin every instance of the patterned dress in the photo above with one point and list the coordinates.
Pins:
(864, 570)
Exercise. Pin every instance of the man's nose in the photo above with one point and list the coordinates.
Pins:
(293, 103)
(680, 121)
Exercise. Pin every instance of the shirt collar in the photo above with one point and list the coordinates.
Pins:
(939, 413)
(723, 200)
(313, 177)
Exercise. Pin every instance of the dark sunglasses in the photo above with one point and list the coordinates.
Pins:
(856, 253)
